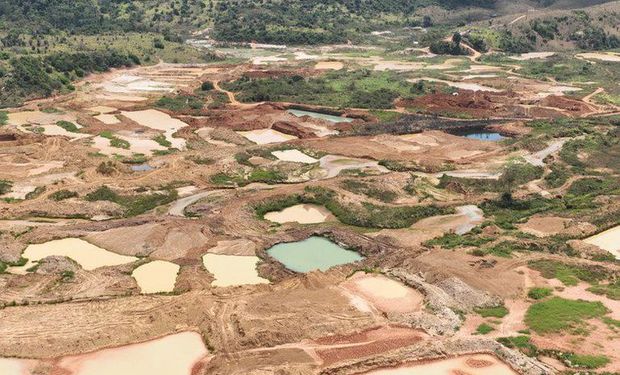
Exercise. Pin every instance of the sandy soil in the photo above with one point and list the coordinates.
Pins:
(232, 270)
(479, 364)
(608, 56)
(545, 226)
(532, 55)
(329, 65)
(384, 294)
(294, 156)
(157, 120)
(266, 136)
(301, 213)
(107, 119)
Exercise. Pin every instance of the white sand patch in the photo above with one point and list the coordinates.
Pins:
(475, 76)
(472, 173)
(156, 277)
(20, 191)
(329, 65)
(532, 55)
(301, 213)
(420, 138)
(607, 56)
(483, 68)
(55, 130)
(397, 66)
(157, 120)
(127, 84)
(87, 255)
(608, 240)
(263, 60)
(36, 117)
(170, 355)
(301, 55)
(101, 109)
(15, 366)
(266, 136)
(232, 270)
(334, 164)
(107, 119)
(459, 85)
(478, 364)
(294, 156)
(474, 216)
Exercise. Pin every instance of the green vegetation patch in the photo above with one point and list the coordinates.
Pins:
(180, 103)
(162, 140)
(4, 117)
(68, 126)
(513, 175)
(559, 314)
(568, 274)
(61, 195)
(539, 292)
(586, 361)
(492, 312)
(484, 328)
(134, 204)
(364, 215)
(356, 89)
(522, 343)
(5, 186)
(453, 241)
(360, 187)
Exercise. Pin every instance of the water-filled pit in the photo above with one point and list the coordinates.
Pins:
(314, 253)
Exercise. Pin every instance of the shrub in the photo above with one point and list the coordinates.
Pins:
(4, 118)
(106, 168)
(61, 195)
(207, 86)
(162, 140)
(586, 361)
(5, 186)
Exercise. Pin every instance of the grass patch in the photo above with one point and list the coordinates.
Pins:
(4, 117)
(162, 140)
(492, 312)
(484, 328)
(5, 186)
(585, 361)
(539, 292)
(68, 126)
(559, 314)
(115, 141)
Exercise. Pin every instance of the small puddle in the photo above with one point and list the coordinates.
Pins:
(608, 240)
(266, 136)
(479, 364)
(230, 270)
(170, 355)
(480, 135)
(85, 254)
(301, 213)
(322, 116)
(156, 277)
(141, 168)
(294, 156)
(314, 253)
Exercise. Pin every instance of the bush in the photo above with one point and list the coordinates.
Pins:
(4, 118)
(586, 361)
(133, 204)
(106, 168)
(207, 86)
(5, 186)
(162, 140)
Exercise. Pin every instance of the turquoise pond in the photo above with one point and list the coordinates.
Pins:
(314, 253)
(322, 116)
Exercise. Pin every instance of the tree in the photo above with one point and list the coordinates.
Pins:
(456, 38)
